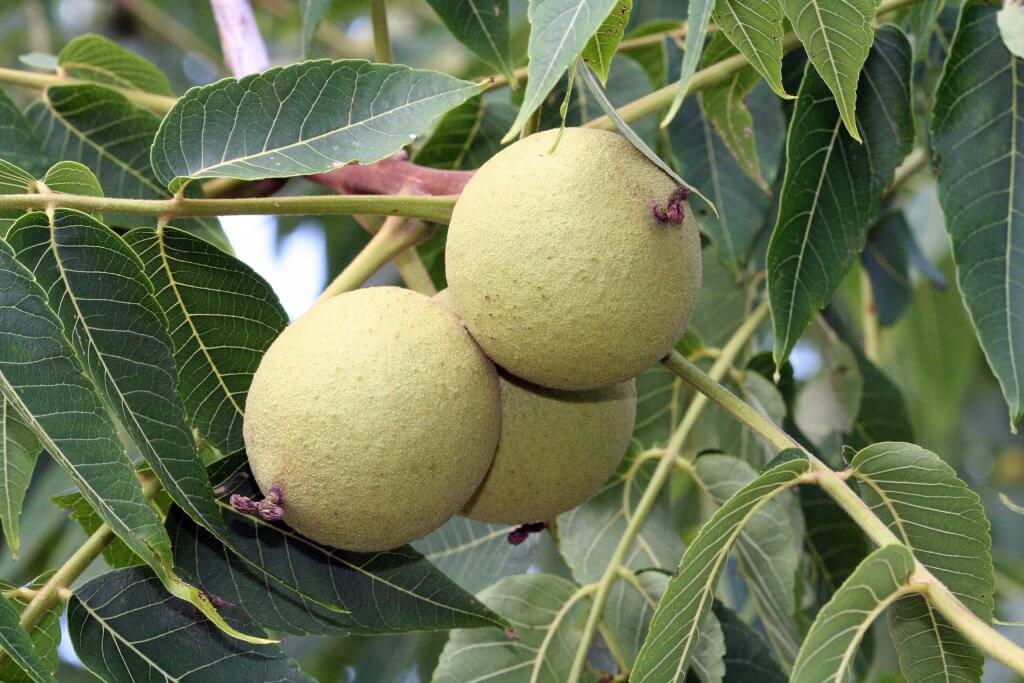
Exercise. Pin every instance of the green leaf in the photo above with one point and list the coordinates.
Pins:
(697, 17)
(671, 641)
(1011, 27)
(42, 61)
(920, 18)
(743, 204)
(833, 184)
(74, 123)
(96, 284)
(929, 509)
(835, 544)
(708, 661)
(18, 143)
(747, 656)
(94, 58)
(559, 30)
(312, 13)
(116, 554)
(653, 58)
(588, 78)
(17, 643)
(389, 592)
(13, 180)
(601, 49)
(724, 103)
(71, 177)
(45, 637)
(886, 262)
(978, 147)
(547, 614)
(482, 26)
(19, 450)
(755, 28)
(829, 651)
(125, 627)
(300, 119)
(768, 549)
(882, 415)
(589, 533)
(467, 136)
(828, 404)
(222, 317)
(836, 37)
(475, 555)
(41, 376)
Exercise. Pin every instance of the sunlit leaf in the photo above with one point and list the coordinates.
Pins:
(670, 644)
(601, 49)
(833, 184)
(559, 30)
(126, 628)
(828, 653)
(697, 18)
(482, 26)
(222, 317)
(755, 28)
(932, 511)
(300, 119)
(836, 37)
(978, 145)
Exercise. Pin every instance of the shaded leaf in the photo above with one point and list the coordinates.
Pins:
(886, 260)
(45, 637)
(222, 317)
(94, 58)
(709, 658)
(836, 37)
(697, 17)
(743, 205)
(601, 49)
(13, 180)
(828, 404)
(882, 415)
(474, 554)
(559, 30)
(653, 58)
(835, 544)
(18, 143)
(42, 378)
(387, 592)
(482, 26)
(19, 450)
(311, 13)
(932, 511)
(125, 627)
(670, 644)
(467, 136)
(833, 184)
(304, 118)
(767, 547)
(116, 554)
(755, 28)
(829, 651)
(17, 643)
(96, 284)
(547, 614)
(978, 145)
(747, 655)
(724, 103)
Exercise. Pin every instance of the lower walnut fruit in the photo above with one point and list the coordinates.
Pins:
(377, 417)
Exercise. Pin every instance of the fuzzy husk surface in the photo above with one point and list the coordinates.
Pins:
(377, 415)
(558, 267)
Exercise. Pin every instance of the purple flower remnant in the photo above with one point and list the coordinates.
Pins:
(673, 210)
(520, 534)
(270, 508)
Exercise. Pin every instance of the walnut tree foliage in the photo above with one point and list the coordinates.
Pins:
(822, 485)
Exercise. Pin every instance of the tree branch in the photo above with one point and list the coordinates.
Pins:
(240, 40)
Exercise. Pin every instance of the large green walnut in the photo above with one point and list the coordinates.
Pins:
(375, 416)
(556, 449)
(577, 268)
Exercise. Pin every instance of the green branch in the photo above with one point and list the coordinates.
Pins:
(381, 39)
(437, 209)
(161, 104)
(938, 594)
(667, 462)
